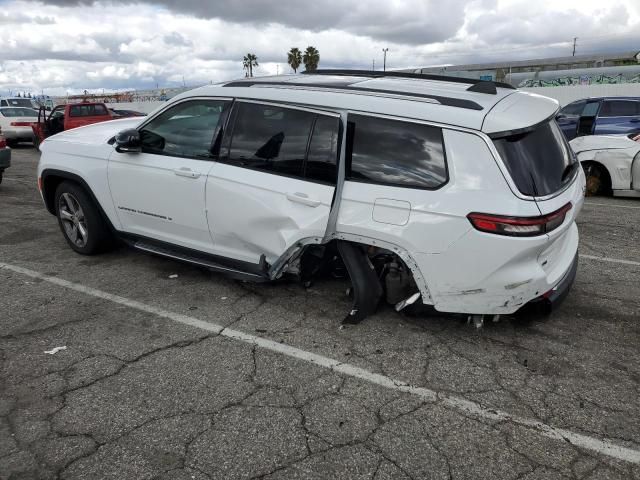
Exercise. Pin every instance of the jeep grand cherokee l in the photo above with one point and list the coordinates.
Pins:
(460, 193)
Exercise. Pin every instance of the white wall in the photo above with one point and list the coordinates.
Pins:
(144, 107)
(566, 95)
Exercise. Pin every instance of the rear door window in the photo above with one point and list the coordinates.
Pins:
(620, 108)
(322, 159)
(270, 138)
(539, 161)
(396, 153)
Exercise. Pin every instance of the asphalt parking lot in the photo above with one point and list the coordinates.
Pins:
(201, 376)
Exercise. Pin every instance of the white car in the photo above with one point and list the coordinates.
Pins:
(611, 163)
(462, 193)
(16, 122)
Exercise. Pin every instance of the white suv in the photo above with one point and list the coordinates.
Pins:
(463, 193)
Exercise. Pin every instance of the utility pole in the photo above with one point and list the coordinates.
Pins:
(574, 46)
(373, 65)
(384, 61)
(277, 69)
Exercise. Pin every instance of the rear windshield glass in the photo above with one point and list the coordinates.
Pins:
(539, 161)
(17, 102)
(18, 112)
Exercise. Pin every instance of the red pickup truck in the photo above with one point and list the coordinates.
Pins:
(66, 117)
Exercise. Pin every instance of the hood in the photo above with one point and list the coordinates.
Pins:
(96, 132)
(601, 142)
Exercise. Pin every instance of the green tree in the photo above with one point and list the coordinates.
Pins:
(294, 59)
(311, 59)
(249, 61)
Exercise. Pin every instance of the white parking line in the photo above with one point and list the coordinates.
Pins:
(467, 407)
(610, 260)
(611, 205)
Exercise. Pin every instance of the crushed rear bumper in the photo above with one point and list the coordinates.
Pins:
(554, 297)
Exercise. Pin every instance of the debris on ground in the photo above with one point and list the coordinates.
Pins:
(55, 350)
(174, 275)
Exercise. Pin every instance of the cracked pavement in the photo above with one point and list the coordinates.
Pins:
(137, 396)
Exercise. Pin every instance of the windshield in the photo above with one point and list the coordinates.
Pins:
(540, 161)
(18, 112)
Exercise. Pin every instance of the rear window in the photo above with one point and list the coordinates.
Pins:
(539, 161)
(87, 110)
(620, 108)
(395, 153)
(17, 102)
(18, 112)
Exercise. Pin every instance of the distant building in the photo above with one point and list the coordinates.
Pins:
(546, 72)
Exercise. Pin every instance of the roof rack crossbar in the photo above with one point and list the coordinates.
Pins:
(449, 101)
(417, 76)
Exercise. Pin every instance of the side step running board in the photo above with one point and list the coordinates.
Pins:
(367, 289)
(201, 261)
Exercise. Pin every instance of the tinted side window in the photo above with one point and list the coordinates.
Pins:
(620, 108)
(574, 108)
(322, 159)
(270, 138)
(185, 130)
(396, 153)
(87, 110)
(591, 109)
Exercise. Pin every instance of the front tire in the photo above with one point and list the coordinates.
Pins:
(80, 221)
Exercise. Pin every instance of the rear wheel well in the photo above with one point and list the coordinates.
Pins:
(595, 168)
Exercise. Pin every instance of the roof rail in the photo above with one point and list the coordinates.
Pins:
(449, 101)
(417, 76)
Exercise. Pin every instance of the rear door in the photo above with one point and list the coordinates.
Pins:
(618, 116)
(274, 182)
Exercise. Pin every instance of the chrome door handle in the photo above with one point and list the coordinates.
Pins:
(186, 172)
(303, 198)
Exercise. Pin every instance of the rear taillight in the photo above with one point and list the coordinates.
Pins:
(519, 226)
(3, 143)
(20, 124)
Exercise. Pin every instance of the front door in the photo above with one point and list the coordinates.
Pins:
(160, 192)
(274, 182)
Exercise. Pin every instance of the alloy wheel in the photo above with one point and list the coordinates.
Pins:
(73, 219)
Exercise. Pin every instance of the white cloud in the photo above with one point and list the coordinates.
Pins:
(93, 45)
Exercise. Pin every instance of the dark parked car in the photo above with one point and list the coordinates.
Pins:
(5, 156)
(600, 116)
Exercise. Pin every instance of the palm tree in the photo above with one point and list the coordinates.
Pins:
(311, 59)
(294, 58)
(249, 61)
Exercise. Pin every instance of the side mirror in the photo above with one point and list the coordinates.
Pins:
(128, 141)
